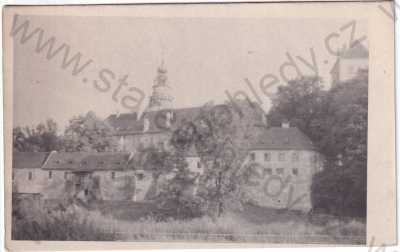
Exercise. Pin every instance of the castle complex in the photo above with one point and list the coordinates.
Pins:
(278, 152)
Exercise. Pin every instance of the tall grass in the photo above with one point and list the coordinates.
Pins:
(230, 228)
(61, 224)
(252, 225)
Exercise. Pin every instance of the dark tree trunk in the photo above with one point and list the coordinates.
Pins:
(219, 193)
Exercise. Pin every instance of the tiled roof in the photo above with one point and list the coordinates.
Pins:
(29, 159)
(126, 121)
(129, 123)
(277, 138)
(84, 161)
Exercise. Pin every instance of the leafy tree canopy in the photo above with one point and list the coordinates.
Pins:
(42, 138)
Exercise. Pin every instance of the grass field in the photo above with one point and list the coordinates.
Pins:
(253, 224)
(130, 221)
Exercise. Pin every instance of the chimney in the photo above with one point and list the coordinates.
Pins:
(285, 124)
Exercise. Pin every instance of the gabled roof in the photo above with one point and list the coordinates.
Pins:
(277, 138)
(129, 123)
(29, 159)
(124, 121)
(86, 161)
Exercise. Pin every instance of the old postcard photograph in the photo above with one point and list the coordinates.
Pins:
(268, 123)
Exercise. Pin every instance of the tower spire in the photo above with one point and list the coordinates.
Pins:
(161, 97)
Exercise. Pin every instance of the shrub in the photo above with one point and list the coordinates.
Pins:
(59, 223)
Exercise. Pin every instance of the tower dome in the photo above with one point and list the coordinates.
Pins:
(161, 97)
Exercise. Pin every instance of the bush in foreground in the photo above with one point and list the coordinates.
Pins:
(58, 224)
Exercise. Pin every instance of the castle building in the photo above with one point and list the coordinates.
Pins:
(279, 154)
(283, 162)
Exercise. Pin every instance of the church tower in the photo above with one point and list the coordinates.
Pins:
(161, 97)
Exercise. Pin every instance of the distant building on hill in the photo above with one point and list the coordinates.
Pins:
(349, 63)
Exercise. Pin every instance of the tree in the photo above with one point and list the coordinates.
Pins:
(347, 147)
(304, 103)
(42, 138)
(158, 161)
(177, 194)
(172, 182)
(221, 138)
(88, 133)
(336, 121)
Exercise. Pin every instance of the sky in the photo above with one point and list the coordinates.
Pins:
(205, 57)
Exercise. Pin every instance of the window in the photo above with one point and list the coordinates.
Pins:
(253, 156)
(295, 157)
(295, 171)
(140, 176)
(65, 175)
(280, 171)
(30, 175)
(198, 164)
(267, 157)
(86, 192)
(113, 175)
(50, 174)
(268, 171)
(13, 176)
(281, 156)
